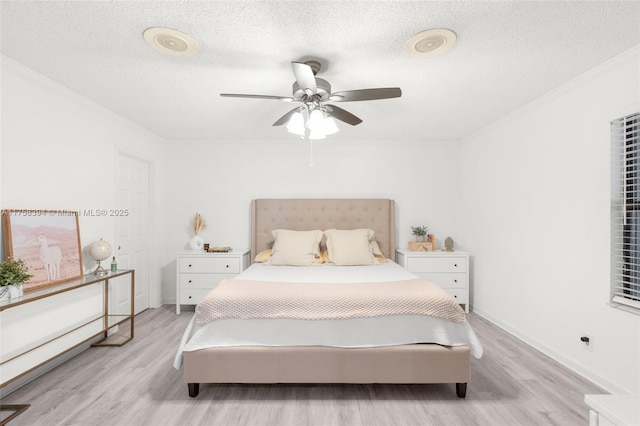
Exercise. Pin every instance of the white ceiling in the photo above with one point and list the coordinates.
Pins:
(507, 54)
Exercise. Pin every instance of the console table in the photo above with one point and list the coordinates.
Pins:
(16, 363)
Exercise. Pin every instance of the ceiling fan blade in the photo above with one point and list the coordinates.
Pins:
(305, 77)
(285, 117)
(343, 115)
(366, 94)
(238, 95)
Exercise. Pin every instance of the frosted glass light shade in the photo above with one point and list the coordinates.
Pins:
(316, 134)
(316, 120)
(329, 126)
(296, 124)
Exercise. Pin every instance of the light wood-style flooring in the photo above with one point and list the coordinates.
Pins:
(136, 384)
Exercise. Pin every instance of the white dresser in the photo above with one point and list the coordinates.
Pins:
(198, 272)
(613, 410)
(449, 270)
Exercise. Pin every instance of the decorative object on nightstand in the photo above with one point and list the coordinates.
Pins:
(13, 275)
(100, 250)
(198, 273)
(423, 241)
(448, 244)
(450, 271)
(196, 243)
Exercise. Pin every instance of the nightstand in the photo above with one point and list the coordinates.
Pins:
(198, 272)
(615, 410)
(449, 270)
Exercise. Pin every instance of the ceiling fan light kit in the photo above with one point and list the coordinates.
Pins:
(430, 42)
(314, 119)
(170, 41)
(315, 124)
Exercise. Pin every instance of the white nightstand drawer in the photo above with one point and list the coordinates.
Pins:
(192, 296)
(448, 270)
(437, 264)
(458, 294)
(446, 279)
(202, 280)
(221, 265)
(198, 272)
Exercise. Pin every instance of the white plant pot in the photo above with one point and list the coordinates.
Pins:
(16, 290)
(4, 293)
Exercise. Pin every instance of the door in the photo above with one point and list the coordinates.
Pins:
(132, 231)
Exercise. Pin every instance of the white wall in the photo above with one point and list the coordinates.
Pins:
(535, 213)
(219, 179)
(59, 151)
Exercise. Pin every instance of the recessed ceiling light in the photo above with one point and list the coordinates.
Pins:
(170, 41)
(430, 42)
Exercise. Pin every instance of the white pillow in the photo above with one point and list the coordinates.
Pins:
(295, 248)
(350, 247)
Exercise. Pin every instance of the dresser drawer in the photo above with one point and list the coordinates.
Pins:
(202, 280)
(192, 296)
(221, 265)
(446, 279)
(437, 264)
(458, 294)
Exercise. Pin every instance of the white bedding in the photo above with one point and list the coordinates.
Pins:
(389, 271)
(345, 333)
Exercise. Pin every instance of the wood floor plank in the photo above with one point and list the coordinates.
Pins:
(136, 384)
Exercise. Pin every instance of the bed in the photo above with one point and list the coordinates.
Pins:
(396, 349)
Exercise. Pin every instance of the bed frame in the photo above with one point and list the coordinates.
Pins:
(418, 363)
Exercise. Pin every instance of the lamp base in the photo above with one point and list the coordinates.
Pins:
(100, 271)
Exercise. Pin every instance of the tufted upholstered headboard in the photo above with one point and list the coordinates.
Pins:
(309, 214)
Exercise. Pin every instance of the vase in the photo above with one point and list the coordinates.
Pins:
(4, 293)
(196, 243)
(16, 290)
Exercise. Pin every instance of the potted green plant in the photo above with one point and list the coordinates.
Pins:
(420, 232)
(13, 275)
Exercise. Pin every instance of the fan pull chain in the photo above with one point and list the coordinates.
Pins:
(311, 164)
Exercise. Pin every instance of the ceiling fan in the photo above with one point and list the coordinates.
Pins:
(313, 93)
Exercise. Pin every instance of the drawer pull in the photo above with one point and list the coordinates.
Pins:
(455, 264)
(189, 265)
(189, 297)
(455, 281)
(189, 281)
(227, 266)
(454, 296)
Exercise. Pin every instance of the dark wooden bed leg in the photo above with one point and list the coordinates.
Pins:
(194, 389)
(461, 390)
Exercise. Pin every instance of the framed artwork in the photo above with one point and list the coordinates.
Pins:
(48, 241)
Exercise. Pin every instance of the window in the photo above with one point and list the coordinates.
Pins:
(625, 213)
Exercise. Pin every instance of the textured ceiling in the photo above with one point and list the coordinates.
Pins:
(507, 54)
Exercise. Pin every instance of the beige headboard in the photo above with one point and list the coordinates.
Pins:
(309, 214)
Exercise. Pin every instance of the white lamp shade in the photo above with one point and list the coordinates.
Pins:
(329, 126)
(316, 120)
(296, 124)
(316, 134)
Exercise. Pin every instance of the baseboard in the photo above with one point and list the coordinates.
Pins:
(571, 364)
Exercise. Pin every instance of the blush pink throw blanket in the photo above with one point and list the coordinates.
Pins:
(243, 299)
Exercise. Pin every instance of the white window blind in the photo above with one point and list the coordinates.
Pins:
(625, 212)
